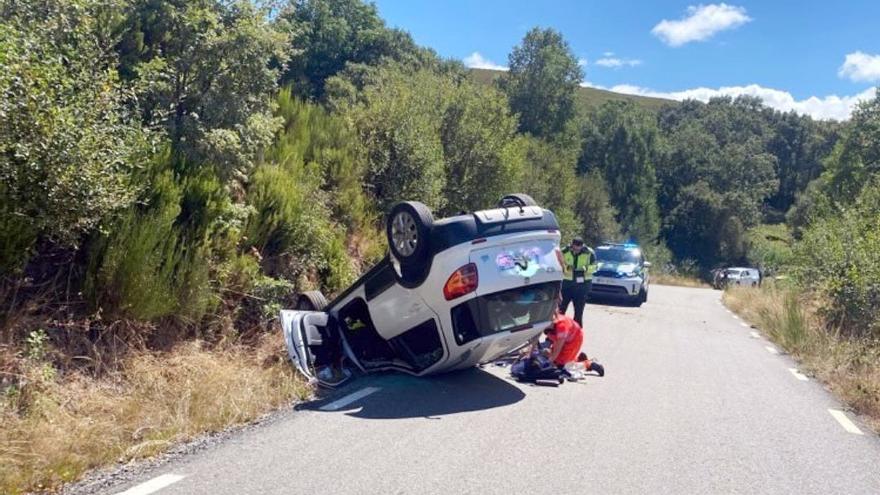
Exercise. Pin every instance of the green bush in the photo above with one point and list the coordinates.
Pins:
(312, 136)
(161, 258)
(290, 227)
(769, 247)
(67, 138)
(839, 256)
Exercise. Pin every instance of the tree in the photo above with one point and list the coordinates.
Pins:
(442, 140)
(799, 144)
(326, 35)
(593, 208)
(855, 159)
(397, 118)
(67, 141)
(483, 159)
(549, 177)
(541, 83)
(622, 142)
(202, 72)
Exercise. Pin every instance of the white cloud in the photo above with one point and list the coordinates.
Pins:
(608, 54)
(701, 23)
(477, 61)
(616, 63)
(828, 107)
(860, 66)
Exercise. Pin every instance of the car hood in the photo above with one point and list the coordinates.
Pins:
(610, 266)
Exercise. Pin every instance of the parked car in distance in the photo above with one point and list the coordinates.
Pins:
(451, 294)
(739, 276)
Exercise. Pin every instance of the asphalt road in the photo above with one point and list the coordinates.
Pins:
(692, 403)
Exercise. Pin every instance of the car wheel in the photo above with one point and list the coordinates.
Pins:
(643, 296)
(312, 300)
(408, 228)
(518, 199)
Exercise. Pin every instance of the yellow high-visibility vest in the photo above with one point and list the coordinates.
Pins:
(580, 267)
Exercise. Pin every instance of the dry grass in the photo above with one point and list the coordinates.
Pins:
(52, 430)
(677, 280)
(849, 367)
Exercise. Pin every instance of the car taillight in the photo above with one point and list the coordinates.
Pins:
(462, 281)
(560, 258)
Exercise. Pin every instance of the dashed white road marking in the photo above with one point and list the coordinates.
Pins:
(737, 317)
(153, 485)
(845, 422)
(348, 399)
(755, 335)
(744, 324)
(771, 350)
(797, 374)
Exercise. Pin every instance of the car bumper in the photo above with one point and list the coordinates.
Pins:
(616, 287)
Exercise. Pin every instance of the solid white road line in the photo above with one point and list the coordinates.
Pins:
(348, 399)
(154, 485)
(845, 422)
(771, 350)
(755, 335)
(797, 374)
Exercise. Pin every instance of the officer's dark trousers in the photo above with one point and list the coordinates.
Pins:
(573, 292)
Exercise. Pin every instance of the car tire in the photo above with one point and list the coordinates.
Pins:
(518, 199)
(312, 300)
(408, 229)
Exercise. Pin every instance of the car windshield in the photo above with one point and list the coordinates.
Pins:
(509, 310)
(618, 255)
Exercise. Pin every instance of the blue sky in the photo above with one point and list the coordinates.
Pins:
(813, 57)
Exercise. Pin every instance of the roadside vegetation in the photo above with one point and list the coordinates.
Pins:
(54, 430)
(849, 366)
(173, 173)
(825, 311)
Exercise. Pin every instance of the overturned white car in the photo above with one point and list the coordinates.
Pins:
(451, 294)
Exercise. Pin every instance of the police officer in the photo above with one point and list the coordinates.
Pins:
(580, 263)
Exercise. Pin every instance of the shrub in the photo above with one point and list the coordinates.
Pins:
(67, 139)
(769, 246)
(159, 259)
(839, 256)
(290, 227)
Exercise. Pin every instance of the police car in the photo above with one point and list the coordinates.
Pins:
(450, 294)
(622, 273)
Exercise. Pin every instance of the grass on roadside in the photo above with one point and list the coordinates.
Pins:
(849, 367)
(677, 280)
(54, 429)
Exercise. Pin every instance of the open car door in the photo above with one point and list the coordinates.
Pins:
(305, 336)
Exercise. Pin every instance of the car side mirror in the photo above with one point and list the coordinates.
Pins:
(647, 264)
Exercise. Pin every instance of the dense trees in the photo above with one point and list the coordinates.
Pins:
(623, 143)
(327, 35)
(199, 160)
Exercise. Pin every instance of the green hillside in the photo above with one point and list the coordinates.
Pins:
(588, 97)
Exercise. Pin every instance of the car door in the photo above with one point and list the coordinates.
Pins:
(309, 345)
